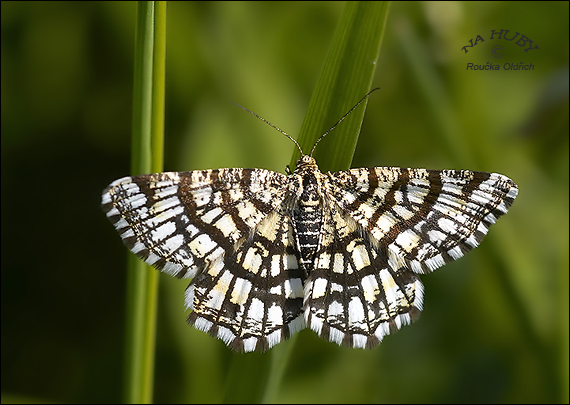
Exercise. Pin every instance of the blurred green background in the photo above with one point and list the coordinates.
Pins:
(495, 324)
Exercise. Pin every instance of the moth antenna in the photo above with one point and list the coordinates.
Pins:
(271, 125)
(342, 118)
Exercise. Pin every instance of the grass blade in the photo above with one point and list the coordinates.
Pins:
(147, 152)
(346, 77)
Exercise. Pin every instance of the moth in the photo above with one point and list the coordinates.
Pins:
(269, 254)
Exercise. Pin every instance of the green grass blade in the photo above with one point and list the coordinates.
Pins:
(345, 79)
(141, 147)
(147, 152)
(279, 360)
(158, 87)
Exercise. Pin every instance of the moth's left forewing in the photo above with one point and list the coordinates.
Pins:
(180, 222)
(150, 217)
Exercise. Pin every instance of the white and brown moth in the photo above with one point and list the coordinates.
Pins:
(270, 254)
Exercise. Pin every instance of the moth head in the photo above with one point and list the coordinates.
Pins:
(304, 162)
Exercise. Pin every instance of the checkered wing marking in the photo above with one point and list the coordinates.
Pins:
(252, 299)
(384, 225)
(215, 226)
(422, 219)
(353, 297)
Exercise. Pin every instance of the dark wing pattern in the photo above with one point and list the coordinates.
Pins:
(353, 296)
(382, 226)
(252, 298)
(422, 218)
(215, 226)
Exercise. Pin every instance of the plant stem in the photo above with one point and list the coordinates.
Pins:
(146, 157)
